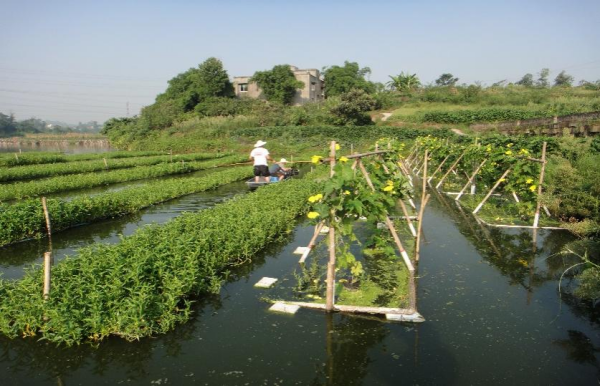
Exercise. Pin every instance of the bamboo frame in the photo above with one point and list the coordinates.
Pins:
(420, 226)
(491, 191)
(536, 218)
(329, 298)
(438, 168)
(450, 170)
(471, 179)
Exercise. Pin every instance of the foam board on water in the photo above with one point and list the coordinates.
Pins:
(301, 250)
(265, 282)
(415, 318)
(285, 308)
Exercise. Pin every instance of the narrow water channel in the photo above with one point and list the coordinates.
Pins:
(490, 299)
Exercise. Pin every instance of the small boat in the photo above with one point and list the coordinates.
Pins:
(272, 180)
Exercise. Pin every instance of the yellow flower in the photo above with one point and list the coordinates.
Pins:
(343, 159)
(489, 149)
(389, 182)
(502, 179)
(337, 146)
(524, 151)
(315, 198)
(312, 215)
(508, 152)
(315, 159)
(529, 180)
(509, 145)
(388, 188)
(532, 188)
(347, 192)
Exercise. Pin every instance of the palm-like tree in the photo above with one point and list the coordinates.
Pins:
(404, 82)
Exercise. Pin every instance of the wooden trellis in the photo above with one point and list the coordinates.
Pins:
(409, 314)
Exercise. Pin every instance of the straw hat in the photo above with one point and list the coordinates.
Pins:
(259, 143)
(283, 161)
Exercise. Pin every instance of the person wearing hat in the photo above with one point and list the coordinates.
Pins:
(261, 158)
(278, 169)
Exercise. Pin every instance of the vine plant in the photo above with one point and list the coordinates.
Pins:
(346, 197)
(500, 156)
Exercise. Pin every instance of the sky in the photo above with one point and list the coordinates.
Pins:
(78, 61)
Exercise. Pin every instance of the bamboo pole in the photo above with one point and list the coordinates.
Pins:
(408, 219)
(17, 157)
(352, 156)
(491, 191)
(47, 216)
(536, 219)
(450, 170)
(424, 175)
(470, 179)
(420, 226)
(438, 168)
(105, 163)
(389, 222)
(47, 268)
(329, 302)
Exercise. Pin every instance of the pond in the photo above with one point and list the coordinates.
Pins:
(490, 299)
(68, 146)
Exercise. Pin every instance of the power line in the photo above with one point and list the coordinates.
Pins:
(80, 75)
(76, 84)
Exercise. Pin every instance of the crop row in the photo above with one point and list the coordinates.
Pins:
(25, 219)
(35, 158)
(490, 114)
(79, 181)
(47, 170)
(144, 285)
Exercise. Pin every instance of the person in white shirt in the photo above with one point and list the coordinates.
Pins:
(261, 158)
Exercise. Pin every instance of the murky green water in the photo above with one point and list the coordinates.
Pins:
(490, 299)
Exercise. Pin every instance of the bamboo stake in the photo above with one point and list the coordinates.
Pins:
(389, 222)
(536, 219)
(331, 264)
(47, 216)
(438, 168)
(312, 242)
(424, 176)
(105, 163)
(408, 219)
(17, 157)
(470, 179)
(450, 170)
(515, 196)
(47, 267)
(420, 226)
(491, 191)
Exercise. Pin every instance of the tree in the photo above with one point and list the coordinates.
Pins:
(543, 78)
(352, 108)
(446, 79)
(278, 84)
(8, 125)
(342, 79)
(197, 84)
(404, 82)
(526, 80)
(563, 80)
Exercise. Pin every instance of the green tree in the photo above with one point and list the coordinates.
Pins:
(563, 80)
(197, 84)
(446, 79)
(342, 79)
(526, 80)
(8, 125)
(405, 82)
(543, 78)
(352, 108)
(278, 84)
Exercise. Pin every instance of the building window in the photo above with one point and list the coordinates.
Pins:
(313, 87)
(243, 87)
